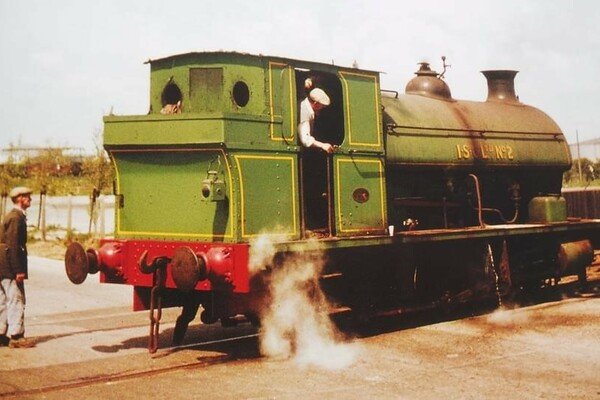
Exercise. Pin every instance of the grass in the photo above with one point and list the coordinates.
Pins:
(62, 186)
(54, 249)
(56, 242)
(577, 184)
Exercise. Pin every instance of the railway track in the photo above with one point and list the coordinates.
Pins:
(193, 363)
(136, 374)
(538, 345)
(146, 368)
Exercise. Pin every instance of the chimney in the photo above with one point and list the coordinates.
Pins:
(501, 85)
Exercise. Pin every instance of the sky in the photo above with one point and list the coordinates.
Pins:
(66, 63)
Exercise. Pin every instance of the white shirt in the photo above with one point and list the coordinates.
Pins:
(305, 127)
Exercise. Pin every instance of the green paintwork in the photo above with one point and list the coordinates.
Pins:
(548, 209)
(464, 133)
(163, 130)
(186, 129)
(272, 103)
(163, 160)
(161, 195)
(216, 96)
(268, 194)
(354, 217)
(363, 121)
(281, 87)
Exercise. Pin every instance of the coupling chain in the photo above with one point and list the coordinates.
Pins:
(158, 281)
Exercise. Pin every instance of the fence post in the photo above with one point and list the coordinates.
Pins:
(43, 215)
(101, 210)
(39, 220)
(95, 194)
(69, 215)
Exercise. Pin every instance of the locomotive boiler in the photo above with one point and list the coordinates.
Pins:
(427, 201)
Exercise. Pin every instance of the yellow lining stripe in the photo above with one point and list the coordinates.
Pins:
(119, 231)
(242, 202)
(339, 193)
(272, 101)
(376, 102)
(117, 203)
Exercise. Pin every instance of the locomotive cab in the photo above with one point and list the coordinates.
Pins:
(217, 163)
(235, 116)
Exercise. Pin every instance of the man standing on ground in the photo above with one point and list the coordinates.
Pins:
(13, 270)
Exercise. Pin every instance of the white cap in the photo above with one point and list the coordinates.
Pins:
(319, 96)
(18, 191)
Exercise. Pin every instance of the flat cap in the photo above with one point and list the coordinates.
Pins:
(18, 191)
(319, 96)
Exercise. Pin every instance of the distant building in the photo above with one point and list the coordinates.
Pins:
(589, 149)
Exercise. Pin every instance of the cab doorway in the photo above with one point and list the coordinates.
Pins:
(315, 165)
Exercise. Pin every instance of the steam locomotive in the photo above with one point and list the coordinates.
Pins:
(427, 200)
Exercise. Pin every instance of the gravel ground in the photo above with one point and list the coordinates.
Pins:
(91, 346)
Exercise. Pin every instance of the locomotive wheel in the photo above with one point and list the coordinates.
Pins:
(77, 265)
(208, 317)
(254, 319)
(187, 268)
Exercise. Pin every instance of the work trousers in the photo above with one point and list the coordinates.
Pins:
(12, 307)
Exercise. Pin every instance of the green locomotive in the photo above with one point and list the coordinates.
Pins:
(426, 199)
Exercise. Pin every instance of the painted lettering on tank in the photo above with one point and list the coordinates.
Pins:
(484, 151)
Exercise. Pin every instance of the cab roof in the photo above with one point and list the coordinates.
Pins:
(295, 62)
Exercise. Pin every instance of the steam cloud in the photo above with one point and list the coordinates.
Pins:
(507, 318)
(296, 322)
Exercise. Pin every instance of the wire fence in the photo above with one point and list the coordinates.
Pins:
(60, 216)
(583, 202)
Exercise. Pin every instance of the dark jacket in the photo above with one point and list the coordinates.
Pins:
(13, 245)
